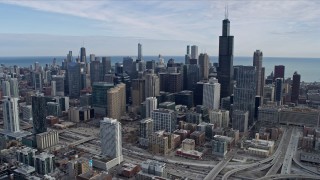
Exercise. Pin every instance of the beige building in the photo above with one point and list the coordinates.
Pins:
(116, 101)
(188, 144)
(161, 142)
(78, 166)
(47, 139)
(80, 114)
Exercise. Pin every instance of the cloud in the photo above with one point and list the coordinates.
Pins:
(196, 22)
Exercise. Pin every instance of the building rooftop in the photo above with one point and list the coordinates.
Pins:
(146, 120)
(149, 162)
(25, 169)
(197, 133)
(223, 138)
(188, 141)
(161, 110)
(44, 155)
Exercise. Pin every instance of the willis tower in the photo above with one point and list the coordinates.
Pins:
(225, 71)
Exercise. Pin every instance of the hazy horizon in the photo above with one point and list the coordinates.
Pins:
(41, 28)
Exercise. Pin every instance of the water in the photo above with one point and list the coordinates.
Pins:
(308, 68)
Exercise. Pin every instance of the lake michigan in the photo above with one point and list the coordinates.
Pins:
(308, 68)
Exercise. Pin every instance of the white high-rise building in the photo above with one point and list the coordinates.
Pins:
(211, 94)
(152, 85)
(53, 88)
(6, 88)
(219, 117)
(11, 114)
(164, 119)
(110, 136)
(14, 87)
(27, 112)
(151, 104)
(194, 52)
(139, 51)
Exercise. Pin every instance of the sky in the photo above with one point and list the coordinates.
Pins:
(286, 28)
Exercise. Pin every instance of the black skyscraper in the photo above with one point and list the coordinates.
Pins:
(225, 71)
(83, 54)
(39, 109)
(295, 87)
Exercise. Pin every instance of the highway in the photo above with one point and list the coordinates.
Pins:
(82, 141)
(216, 170)
(257, 164)
(289, 176)
(291, 151)
(281, 156)
(306, 168)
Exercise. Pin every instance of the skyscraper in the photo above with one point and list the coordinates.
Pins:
(106, 65)
(295, 87)
(225, 70)
(111, 138)
(83, 55)
(138, 91)
(171, 82)
(59, 79)
(37, 81)
(127, 65)
(74, 79)
(278, 90)
(96, 73)
(14, 87)
(245, 90)
(151, 104)
(39, 112)
(53, 88)
(69, 56)
(99, 97)
(6, 88)
(140, 52)
(194, 52)
(204, 66)
(257, 62)
(191, 76)
(187, 56)
(11, 114)
(152, 85)
(116, 101)
(211, 94)
(279, 71)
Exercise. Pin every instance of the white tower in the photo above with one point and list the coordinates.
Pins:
(211, 94)
(110, 136)
(53, 88)
(6, 88)
(151, 104)
(11, 114)
(14, 87)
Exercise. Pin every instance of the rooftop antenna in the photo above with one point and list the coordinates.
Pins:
(226, 10)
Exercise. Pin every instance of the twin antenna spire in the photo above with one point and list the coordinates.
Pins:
(226, 11)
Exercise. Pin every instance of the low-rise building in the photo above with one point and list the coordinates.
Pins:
(161, 142)
(80, 114)
(129, 170)
(26, 155)
(199, 137)
(78, 166)
(258, 152)
(310, 157)
(47, 139)
(44, 163)
(153, 167)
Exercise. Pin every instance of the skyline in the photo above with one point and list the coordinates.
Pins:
(37, 28)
